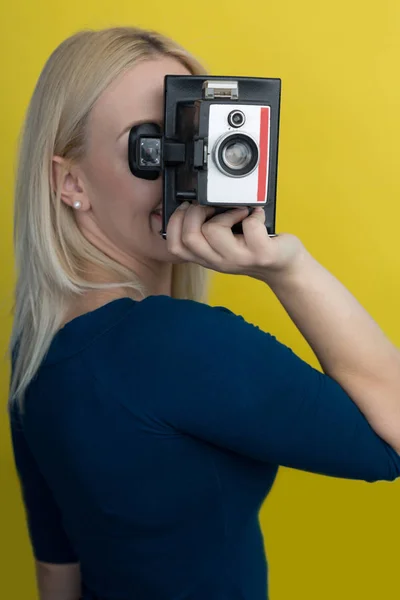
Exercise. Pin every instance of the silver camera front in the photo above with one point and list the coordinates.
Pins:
(238, 141)
(236, 153)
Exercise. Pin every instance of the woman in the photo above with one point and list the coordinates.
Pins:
(147, 426)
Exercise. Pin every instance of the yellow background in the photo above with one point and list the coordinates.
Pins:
(339, 191)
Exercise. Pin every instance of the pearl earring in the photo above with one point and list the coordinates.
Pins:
(77, 204)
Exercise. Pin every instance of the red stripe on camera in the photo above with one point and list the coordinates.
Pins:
(264, 154)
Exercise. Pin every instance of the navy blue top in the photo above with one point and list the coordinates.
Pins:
(153, 434)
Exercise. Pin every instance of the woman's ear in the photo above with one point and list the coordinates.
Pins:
(65, 179)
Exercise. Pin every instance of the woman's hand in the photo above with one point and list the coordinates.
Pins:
(211, 243)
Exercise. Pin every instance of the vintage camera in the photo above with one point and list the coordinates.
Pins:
(218, 147)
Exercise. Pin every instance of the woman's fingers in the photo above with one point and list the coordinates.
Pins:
(255, 233)
(185, 238)
(194, 236)
(218, 232)
(238, 249)
(192, 232)
(174, 234)
(229, 218)
(211, 243)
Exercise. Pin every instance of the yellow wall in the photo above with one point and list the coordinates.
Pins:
(339, 190)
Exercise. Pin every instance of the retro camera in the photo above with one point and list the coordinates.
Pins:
(219, 145)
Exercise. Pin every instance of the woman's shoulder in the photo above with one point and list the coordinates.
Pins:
(198, 332)
(183, 318)
(182, 309)
(122, 324)
(173, 320)
(185, 327)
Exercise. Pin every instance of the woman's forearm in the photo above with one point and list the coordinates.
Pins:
(348, 343)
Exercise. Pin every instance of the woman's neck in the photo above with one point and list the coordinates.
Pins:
(155, 283)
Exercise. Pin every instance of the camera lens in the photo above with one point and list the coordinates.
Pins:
(236, 118)
(236, 155)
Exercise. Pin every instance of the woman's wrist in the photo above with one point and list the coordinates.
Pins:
(291, 274)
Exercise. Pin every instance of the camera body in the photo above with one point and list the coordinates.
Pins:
(219, 146)
(237, 156)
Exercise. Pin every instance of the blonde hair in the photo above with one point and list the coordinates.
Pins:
(49, 248)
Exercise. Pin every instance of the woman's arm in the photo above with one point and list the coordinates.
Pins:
(349, 345)
(57, 565)
(58, 582)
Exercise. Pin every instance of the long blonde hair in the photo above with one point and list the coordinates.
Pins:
(49, 248)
